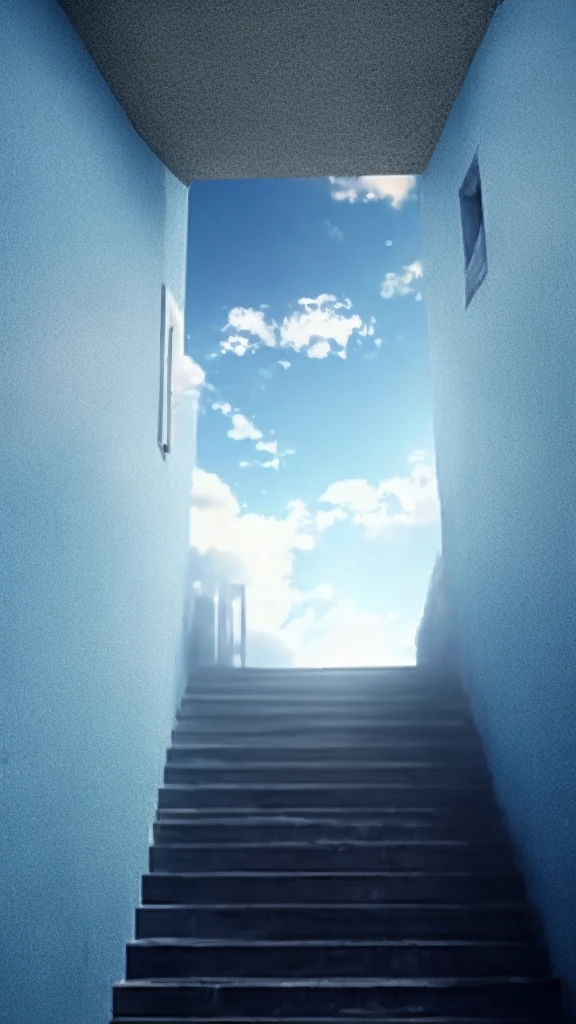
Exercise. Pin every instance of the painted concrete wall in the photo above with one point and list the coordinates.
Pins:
(504, 380)
(94, 525)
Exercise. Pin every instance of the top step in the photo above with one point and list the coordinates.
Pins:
(334, 681)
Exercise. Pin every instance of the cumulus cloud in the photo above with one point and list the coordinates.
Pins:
(244, 547)
(253, 322)
(285, 624)
(319, 321)
(344, 636)
(313, 328)
(319, 350)
(267, 446)
(372, 187)
(411, 500)
(236, 344)
(242, 429)
(325, 518)
(401, 284)
(223, 407)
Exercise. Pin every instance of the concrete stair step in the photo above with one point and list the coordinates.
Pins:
(325, 682)
(338, 855)
(253, 706)
(171, 958)
(217, 998)
(371, 724)
(451, 750)
(548, 1018)
(333, 921)
(360, 887)
(313, 771)
(259, 692)
(250, 828)
(365, 814)
(256, 796)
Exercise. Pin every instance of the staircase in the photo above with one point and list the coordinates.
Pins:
(327, 848)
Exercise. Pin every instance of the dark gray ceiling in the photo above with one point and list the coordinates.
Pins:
(285, 88)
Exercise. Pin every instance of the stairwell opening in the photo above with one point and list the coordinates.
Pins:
(315, 483)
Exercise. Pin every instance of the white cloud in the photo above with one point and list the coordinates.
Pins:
(411, 500)
(334, 231)
(267, 446)
(319, 350)
(253, 322)
(272, 464)
(223, 407)
(371, 187)
(368, 329)
(319, 321)
(243, 429)
(232, 545)
(248, 548)
(325, 518)
(189, 376)
(346, 636)
(401, 284)
(313, 328)
(378, 342)
(236, 344)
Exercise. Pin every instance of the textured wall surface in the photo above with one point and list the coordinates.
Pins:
(285, 88)
(93, 524)
(504, 380)
(435, 640)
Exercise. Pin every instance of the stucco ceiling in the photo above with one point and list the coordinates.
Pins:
(285, 88)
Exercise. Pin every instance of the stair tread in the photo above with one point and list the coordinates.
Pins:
(340, 1019)
(306, 786)
(344, 982)
(405, 943)
(336, 905)
(458, 1019)
(243, 875)
(318, 844)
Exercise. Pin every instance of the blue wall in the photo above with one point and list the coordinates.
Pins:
(93, 525)
(504, 381)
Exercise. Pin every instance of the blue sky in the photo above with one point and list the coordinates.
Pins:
(315, 480)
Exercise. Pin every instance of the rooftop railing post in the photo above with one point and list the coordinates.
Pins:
(243, 626)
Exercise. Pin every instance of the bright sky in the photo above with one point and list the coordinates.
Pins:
(315, 481)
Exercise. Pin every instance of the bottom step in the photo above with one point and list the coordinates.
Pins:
(547, 1019)
(218, 999)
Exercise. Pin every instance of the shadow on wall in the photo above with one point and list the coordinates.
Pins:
(435, 639)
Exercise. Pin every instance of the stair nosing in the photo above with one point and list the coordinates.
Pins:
(340, 982)
(382, 904)
(408, 943)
